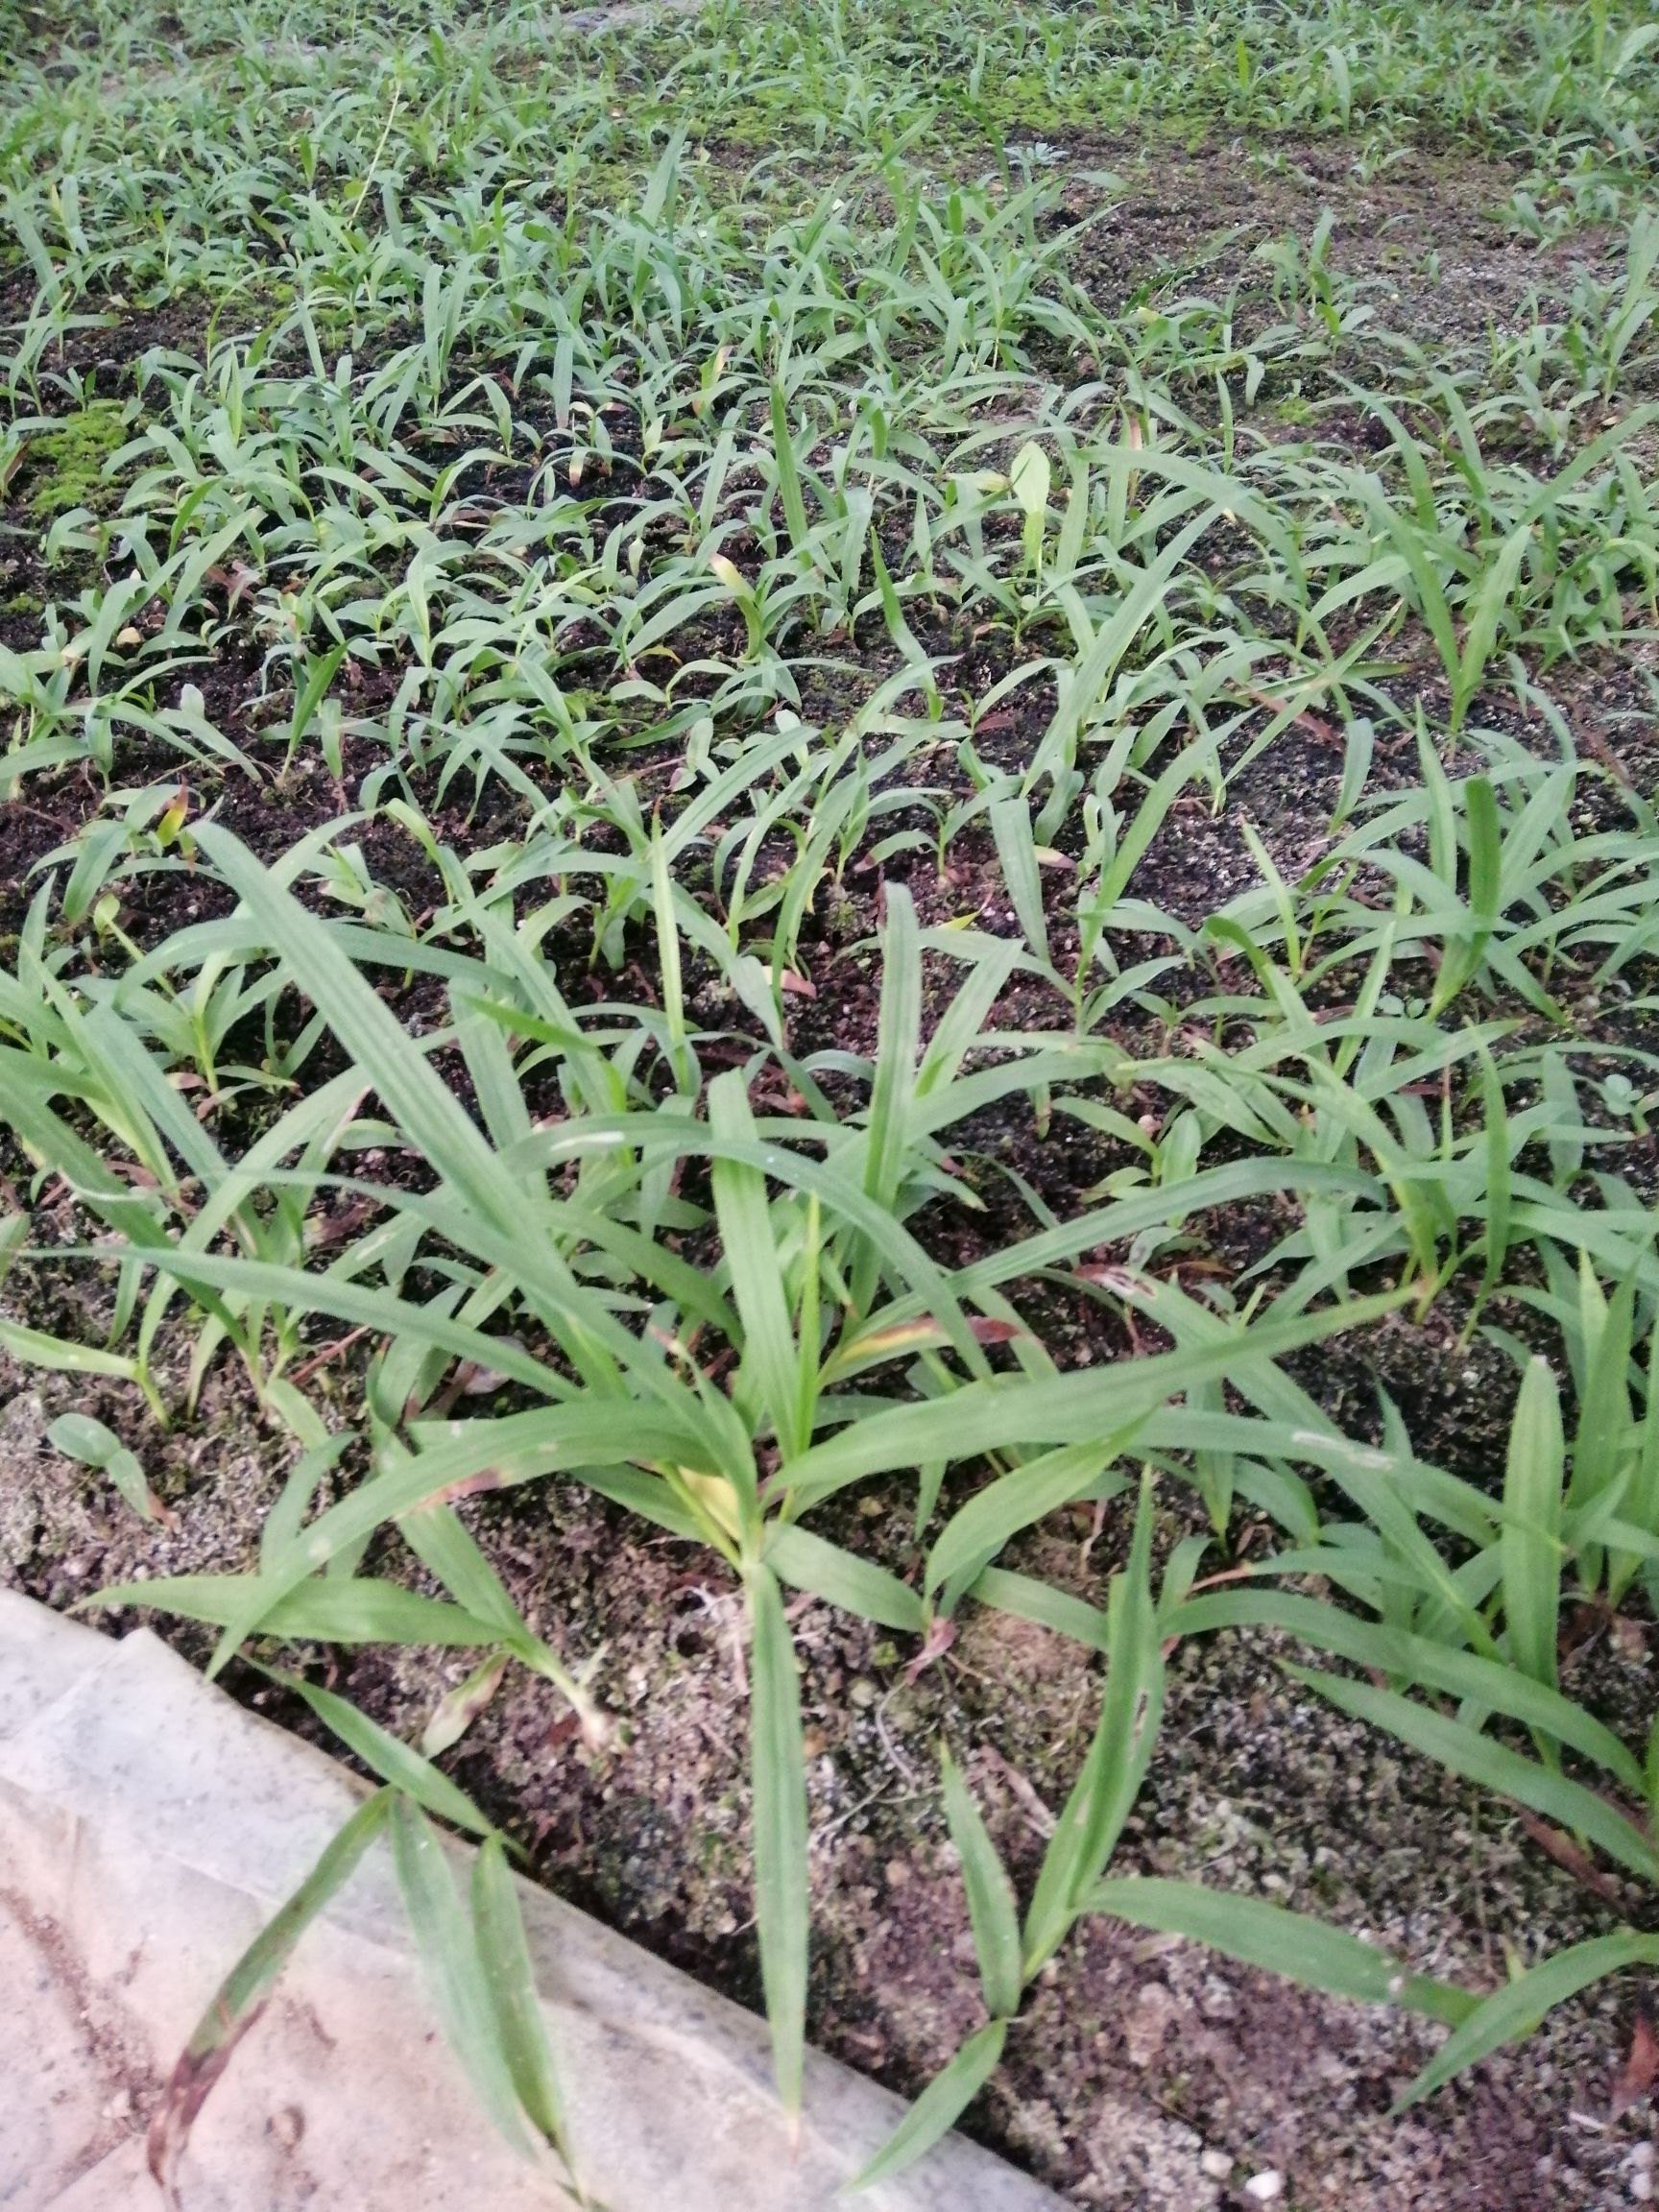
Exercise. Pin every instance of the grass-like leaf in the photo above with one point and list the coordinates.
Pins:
(1517, 2008)
(938, 2108)
(510, 1985)
(241, 1996)
(842, 1578)
(333, 1609)
(78, 1437)
(778, 1771)
(1115, 1766)
(416, 1778)
(1533, 1485)
(447, 1944)
(1478, 1757)
(992, 1907)
(1295, 1944)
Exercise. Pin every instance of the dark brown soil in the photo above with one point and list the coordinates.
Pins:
(1136, 2055)
(1141, 2067)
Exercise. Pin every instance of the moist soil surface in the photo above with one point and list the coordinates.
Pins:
(1145, 2073)
(1142, 2064)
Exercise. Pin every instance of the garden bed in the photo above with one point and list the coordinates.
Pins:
(712, 540)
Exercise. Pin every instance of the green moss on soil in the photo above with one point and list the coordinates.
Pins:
(68, 465)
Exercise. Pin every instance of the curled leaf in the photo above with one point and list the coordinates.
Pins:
(242, 1996)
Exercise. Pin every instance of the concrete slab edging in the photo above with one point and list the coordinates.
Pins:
(149, 1826)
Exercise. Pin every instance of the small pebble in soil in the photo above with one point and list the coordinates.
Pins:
(1216, 1999)
(1216, 2165)
(1265, 2188)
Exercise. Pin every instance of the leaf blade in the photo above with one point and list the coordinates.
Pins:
(937, 2109)
(1515, 2009)
(778, 1778)
(992, 1908)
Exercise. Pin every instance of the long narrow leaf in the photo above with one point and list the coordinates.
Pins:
(1517, 2008)
(241, 1996)
(1479, 1759)
(990, 1903)
(416, 1779)
(779, 1773)
(510, 1983)
(946, 2097)
(1293, 1944)
(448, 1948)
(1530, 1542)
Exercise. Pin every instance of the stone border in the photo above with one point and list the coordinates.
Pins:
(149, 1825)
